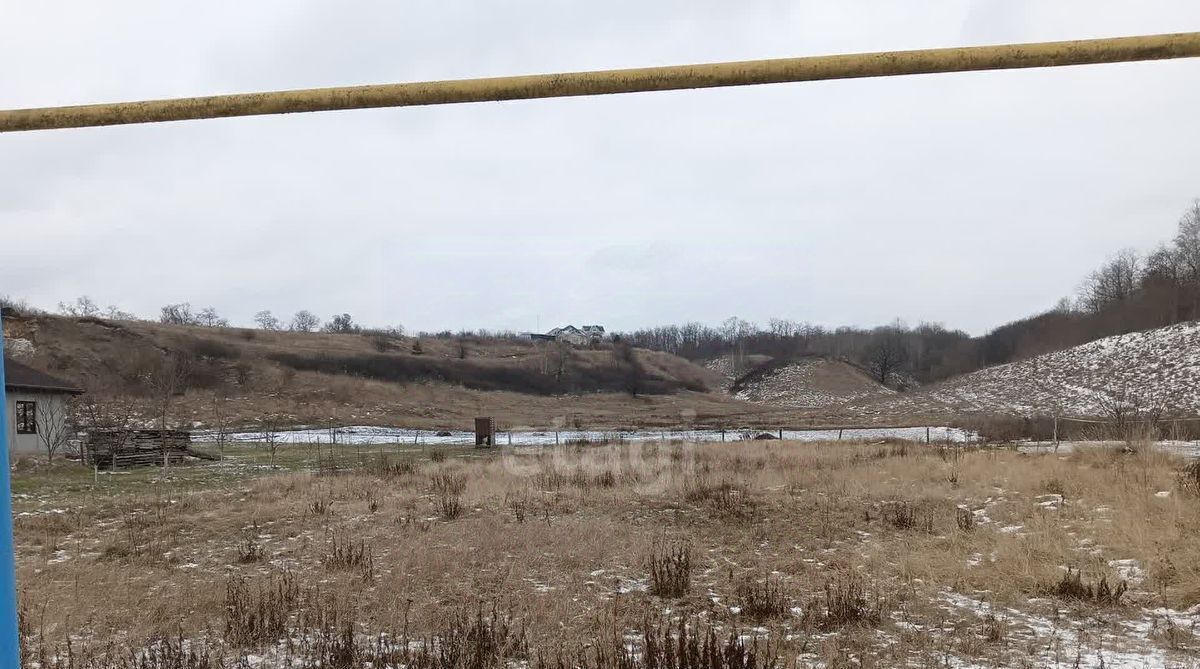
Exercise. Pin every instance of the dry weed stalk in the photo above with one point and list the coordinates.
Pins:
(670, 569)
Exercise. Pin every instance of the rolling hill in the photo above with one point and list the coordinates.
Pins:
(379, 379)
(1141, 370)
(812, 382)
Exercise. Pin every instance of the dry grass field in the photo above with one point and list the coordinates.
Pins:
(758, 554)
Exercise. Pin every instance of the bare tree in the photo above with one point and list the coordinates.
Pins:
(1187, 241)
(168, 380)
(1113, 283)
(114, 313)
(1131, 416)
(54, 425)
(888, 353)
(17, 304)
(102, 409)
(220, 421)
(209, 318)
(341, 323)
(305, 321)
(81, 307)
(177, 314)
(266, 320)
(558, 354)
(269, 436)
(334, 437)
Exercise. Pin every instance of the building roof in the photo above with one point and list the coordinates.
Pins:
(18, 376)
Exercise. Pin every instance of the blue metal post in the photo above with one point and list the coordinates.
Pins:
(10, 642)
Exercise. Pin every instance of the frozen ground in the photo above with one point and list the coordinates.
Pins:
(354, 435)
(811, 383)
(1187, 449)
(1155, 368)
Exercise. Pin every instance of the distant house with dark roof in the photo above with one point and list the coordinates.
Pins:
(36, 406)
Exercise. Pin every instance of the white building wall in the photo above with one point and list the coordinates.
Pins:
(25, 444)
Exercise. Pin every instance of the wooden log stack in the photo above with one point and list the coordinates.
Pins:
(115, 449)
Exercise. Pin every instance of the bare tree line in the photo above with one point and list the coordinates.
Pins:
(1129, 292)
(891, 353)
(183, 313)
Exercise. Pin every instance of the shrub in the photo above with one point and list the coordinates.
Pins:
(384, 343)
(726, 499)
(549, 479)
(1071, 587)
(580, 479)
(390, 469)
(1188, 479)
(965, 519)
(476, 373)
(1055, 486)
(904, 515)
(664, 645)
(259, 616)
(348, 555)
(250, 551)
(993, 629)
(762, 601)
(519, 504)
(846, 603)
(670, 570)
(482, 640)
(448, 488)
(211, 348)
(1000, 428)
(605, 479)
(320, 506)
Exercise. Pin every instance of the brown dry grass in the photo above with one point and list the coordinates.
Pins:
(238, 363)
(842, 553)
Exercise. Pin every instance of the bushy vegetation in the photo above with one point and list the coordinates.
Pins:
(578, 374)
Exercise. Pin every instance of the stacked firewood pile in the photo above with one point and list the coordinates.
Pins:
(114, 449)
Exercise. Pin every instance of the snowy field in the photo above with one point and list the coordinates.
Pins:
(1187, 449)
(358, 435)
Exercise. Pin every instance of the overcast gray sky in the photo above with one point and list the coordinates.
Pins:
(967, 199)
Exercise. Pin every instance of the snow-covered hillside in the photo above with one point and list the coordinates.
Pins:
(814, 382)
(731, 367)
(1145, 369)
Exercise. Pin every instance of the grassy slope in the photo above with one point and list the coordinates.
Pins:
(809, 381)
(270, 373)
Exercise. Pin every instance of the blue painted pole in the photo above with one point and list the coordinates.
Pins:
(10, 642)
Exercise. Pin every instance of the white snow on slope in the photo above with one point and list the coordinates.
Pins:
(1145, 369)
(813, 382)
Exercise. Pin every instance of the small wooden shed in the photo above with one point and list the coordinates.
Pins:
(485, 431)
